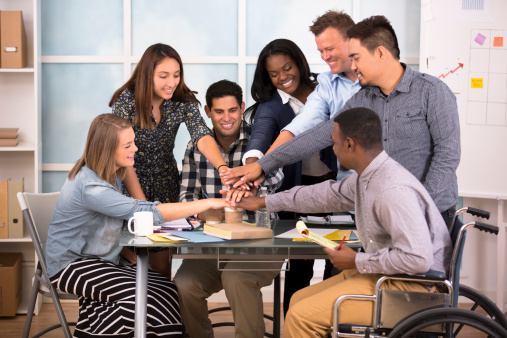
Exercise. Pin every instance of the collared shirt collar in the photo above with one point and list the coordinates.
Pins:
(244, 134)
(286, 97)
(403, 86)
(343, 77)
(370, 170)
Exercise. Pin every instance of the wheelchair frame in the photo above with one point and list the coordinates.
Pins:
(427, 314)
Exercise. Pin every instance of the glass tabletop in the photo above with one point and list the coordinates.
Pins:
(272, 245)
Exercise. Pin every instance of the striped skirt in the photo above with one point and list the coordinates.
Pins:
(107, 300)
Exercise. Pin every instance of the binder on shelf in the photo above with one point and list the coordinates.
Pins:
(16, 226)
(13, 53)
(12, 223)
(4, 220)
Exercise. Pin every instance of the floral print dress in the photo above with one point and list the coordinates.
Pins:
(155, 165)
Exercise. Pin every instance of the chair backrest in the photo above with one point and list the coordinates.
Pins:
(38, 211)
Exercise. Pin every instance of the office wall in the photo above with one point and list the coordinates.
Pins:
(90, 47)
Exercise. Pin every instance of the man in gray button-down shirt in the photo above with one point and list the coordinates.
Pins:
(398, 223)
(419, 116)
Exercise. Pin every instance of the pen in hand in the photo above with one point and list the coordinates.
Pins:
(343, 240)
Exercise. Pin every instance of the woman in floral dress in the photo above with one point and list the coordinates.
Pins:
(157, 101)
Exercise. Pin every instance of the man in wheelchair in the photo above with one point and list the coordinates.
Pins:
(401, 229)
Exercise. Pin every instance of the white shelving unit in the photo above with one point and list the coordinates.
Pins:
(20, 107)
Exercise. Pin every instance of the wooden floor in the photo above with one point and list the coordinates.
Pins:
(13, 327)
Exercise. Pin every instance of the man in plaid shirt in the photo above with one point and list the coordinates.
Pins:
(197, 279)
(199, 179)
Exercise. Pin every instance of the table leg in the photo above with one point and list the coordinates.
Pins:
(141, 292)
(276, 309)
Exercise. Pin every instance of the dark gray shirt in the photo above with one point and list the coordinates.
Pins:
(400, 227)
(420, 128)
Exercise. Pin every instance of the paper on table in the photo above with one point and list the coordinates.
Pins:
(159, 238)
(181, 223)
(341, 218)
(338, 235)
(295, 234)
(199, 237)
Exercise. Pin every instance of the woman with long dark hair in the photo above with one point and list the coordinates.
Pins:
(156, 101)
(281, 86)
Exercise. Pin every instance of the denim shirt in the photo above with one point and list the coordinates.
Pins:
(88, 219)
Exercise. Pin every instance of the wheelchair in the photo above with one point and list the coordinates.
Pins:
(415, 314)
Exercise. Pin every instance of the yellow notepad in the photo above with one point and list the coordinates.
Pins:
(158, 238)
(336, 235)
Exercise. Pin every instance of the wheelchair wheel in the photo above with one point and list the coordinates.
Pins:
(480, 323)
(482, 302)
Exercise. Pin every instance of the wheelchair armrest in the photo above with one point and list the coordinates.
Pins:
(430, 274)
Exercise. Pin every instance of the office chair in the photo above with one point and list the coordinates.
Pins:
(407, 314)
(38, 210)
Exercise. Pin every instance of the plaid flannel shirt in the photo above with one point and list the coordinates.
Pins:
(198, 175)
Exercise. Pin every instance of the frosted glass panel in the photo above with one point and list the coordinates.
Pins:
(72, 95)
(193, 28)
(53, 181)
(268, 20)
(199, 77)
(82, 27)
(405, 17)
(250, 72)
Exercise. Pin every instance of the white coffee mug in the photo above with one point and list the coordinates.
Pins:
(143, 223)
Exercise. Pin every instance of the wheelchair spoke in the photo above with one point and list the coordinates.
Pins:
(448, 316)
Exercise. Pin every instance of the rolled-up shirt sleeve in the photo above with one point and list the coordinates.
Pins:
(106, 200)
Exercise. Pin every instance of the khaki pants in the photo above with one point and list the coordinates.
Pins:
(196, 280)
(311, 309)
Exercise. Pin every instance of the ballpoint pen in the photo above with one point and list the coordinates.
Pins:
(343, 240)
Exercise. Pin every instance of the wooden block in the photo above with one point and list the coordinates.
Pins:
(237, 231)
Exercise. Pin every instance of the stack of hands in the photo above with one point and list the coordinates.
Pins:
(243, 183)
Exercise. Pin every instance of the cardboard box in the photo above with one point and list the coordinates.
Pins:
(13, 53)
(16, 226)
(10, 283)
(4, 220)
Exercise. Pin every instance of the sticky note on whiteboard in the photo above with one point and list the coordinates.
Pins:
(477, 82)
(480, 39)
(498, 41)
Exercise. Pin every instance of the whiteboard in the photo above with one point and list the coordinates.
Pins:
(464, 43)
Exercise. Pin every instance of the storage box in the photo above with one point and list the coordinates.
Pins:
(12, 222)
(16, 226)
(4, 207)
(10, 283)
(13, 53)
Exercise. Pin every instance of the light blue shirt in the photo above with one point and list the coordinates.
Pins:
(326, 100)
(88, 219)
